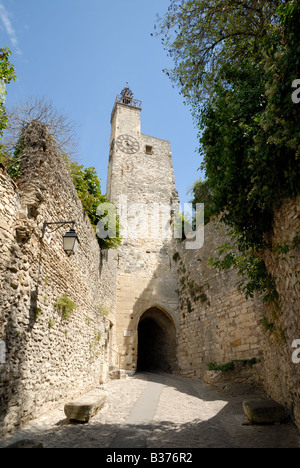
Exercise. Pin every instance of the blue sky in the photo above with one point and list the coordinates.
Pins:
(80, 54)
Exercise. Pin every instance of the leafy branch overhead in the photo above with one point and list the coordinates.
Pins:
(234, 63)
(203, 35)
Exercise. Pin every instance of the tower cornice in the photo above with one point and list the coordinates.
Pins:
(120, 104)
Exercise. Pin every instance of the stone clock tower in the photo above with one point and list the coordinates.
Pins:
(141, 183)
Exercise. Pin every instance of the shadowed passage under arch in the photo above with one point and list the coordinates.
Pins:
(156, 342)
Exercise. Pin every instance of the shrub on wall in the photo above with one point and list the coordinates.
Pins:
(65, 306)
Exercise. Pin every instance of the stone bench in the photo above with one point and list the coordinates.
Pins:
(26, 444)
(264, 411)
(86, 407)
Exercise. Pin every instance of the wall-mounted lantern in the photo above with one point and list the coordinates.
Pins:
(70, 239)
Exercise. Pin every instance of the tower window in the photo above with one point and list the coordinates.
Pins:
(149, 149)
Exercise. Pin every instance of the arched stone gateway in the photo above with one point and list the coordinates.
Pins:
(156, 342)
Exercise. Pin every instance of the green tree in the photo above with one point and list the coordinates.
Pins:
(229, 125)
(250, 140)
(203, 35)
(88, 187)
(202, 193)
(7, 74)
(234, 62)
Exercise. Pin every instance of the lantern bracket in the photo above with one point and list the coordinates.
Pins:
(59, 224)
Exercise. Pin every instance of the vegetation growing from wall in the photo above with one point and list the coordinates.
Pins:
(188, 288)
(88, 187)
(62, 130)
(235, 63)
(230, 366)
(7, 74)
(65, 306)
(103, 310)
(202, 193)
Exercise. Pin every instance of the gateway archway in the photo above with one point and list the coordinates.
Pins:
(156, 342)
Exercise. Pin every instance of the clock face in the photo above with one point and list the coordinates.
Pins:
(128, 144)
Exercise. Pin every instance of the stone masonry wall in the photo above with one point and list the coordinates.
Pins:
(280, 374)
(51, 357)
(217, 324)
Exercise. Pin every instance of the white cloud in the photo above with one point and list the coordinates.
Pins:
(4, 16)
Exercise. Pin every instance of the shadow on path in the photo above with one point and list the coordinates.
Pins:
(225, 429)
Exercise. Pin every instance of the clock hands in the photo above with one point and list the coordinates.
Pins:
(128, 144)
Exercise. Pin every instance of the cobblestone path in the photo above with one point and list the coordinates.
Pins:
(162, 411)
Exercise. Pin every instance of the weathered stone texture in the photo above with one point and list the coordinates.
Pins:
(86, 407)
(264, 412)
(142, 185)
(282, 376)
(49, 357)
(217, 323)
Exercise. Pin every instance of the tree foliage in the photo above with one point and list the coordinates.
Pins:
(250, 135)
(203, 35)
(7, 74)
(88, 187)
(202, 193)
(235, 62)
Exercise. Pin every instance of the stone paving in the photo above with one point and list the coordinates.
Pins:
(188, 414)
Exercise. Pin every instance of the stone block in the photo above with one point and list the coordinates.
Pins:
(85, 408)
(264, 411)
(213, 377)
(26, 444)
(123, 374)
(115, 373)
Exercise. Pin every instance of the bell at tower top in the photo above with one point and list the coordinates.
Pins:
(127, 95)
(127, 98)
